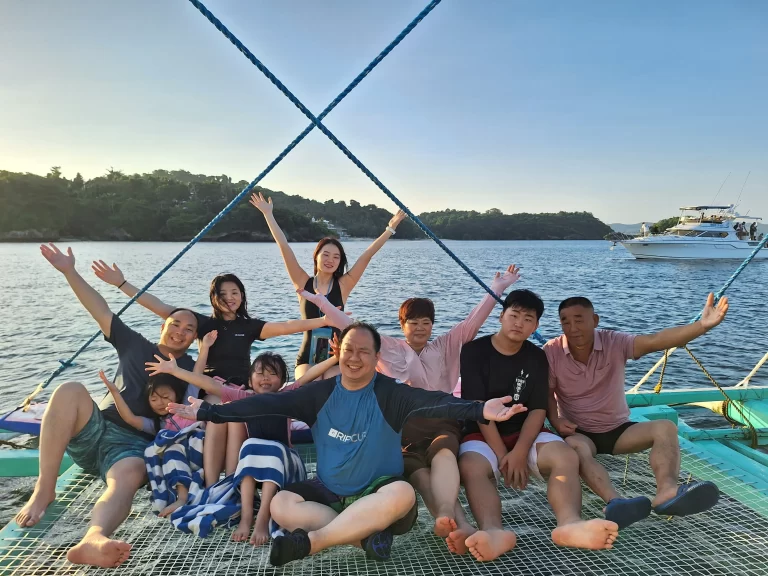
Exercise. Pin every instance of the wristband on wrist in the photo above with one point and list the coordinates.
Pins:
(390, 230)
(121, 285)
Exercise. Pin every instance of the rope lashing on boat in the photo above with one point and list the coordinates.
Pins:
(728, 402)
(719, 294)
(657, 388)
(237, 199)
(752, 372)
(320, 126)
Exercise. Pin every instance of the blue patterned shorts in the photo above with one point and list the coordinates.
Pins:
(101, 444)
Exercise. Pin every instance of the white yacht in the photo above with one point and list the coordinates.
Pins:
(707, 234)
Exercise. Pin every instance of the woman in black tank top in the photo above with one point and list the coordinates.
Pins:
(330, 277)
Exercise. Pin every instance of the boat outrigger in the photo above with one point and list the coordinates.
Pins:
(702, 232)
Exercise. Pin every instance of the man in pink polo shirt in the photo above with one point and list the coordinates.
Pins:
(588, 407)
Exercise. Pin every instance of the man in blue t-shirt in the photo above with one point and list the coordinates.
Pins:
(95, 436)
(359, 495)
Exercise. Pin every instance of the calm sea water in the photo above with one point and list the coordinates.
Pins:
(41, 321)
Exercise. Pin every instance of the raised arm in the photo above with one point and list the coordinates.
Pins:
(114, 276)
(466, 330)
(301, 404)
(91, 300)
(203, 347)
(711, 316)
(138, 422)
(297, 274)
(272, 329)
(352, 277)
(161, 366)
(315, 372)
(333, 316)
(405, 402)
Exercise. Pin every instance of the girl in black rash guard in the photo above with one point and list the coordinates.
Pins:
(230, 357)
(330, 276)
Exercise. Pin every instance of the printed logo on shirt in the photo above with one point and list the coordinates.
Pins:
(239, 334)
(520, 382)
(333, 433)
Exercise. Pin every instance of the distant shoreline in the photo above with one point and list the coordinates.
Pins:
(216, 241)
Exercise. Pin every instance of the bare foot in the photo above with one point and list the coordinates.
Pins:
(594, 534)
(444, 526)
(243, 530)
(664, 496)
(34, 509)
(456, 539)
(170, 509)
(260, 536)
(489, 545)
(98, 550)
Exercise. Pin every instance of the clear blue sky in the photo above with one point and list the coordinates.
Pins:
(625, 109)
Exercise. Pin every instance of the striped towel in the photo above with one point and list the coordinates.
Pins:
(219, 505)
(175, 457)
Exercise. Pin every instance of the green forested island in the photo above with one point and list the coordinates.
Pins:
(175, 205)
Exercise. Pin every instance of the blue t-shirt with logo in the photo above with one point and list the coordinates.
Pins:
(356, 432)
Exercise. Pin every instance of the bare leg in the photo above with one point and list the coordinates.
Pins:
(261, 528)
(247, 492)
(561, 463)
(291, 511)
(364, 517)
(594, 474)
(114, 505)
(439, 488)
(491, 540)
(182, 494)
(68, 412)
(444, 484)
(300, 370)
(456, 539)
(236, 435)
(214, 450)
(661, 437)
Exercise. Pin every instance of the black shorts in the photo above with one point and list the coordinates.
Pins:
(605, 441)
(422, 438)
(313, 490)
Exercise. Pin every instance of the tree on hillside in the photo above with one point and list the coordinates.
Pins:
(661, 226)
(54, 173)
(175, 205)
(77, 182)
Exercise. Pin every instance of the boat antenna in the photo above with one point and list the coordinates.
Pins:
(721, 187)
(742, 186)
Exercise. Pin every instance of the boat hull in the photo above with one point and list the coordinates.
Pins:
(692, 250)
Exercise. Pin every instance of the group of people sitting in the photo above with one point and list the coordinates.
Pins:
(389, 416)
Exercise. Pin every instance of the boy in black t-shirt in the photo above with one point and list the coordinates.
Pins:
(507, 364)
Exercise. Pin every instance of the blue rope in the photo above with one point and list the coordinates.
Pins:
(320, 126)
(739, 270)
(236, 200)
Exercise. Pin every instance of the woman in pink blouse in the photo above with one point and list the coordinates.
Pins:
(430, 446)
